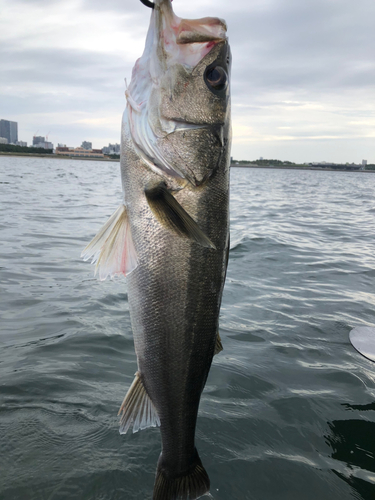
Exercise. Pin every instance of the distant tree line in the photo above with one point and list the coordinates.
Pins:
(271, 163)
(263, 162)
(10, 148)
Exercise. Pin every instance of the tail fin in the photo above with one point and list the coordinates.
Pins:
(189, 487)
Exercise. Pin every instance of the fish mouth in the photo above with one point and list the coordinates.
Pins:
(185, 41)
(205, 30)
(171, 41)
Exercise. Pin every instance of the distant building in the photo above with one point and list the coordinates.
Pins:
(21, 143)
(9, 130)
(40, 142)
(112, 149)
(38, 139)
(79, 152)
(3, 140)
(86, 145)
(45, 145)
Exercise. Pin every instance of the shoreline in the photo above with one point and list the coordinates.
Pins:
(291, 167)
(56, 157)
(273, 167)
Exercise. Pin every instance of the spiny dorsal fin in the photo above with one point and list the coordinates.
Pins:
(219, 345)
(171, 215)
(137, 408)
(112, 249)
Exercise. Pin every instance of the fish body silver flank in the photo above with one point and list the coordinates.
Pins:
(172, 235)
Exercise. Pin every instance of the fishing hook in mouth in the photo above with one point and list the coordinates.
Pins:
(148, 4)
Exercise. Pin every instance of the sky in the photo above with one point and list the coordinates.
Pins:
(303, 74)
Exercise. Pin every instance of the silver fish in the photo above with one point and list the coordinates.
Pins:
(171, 236)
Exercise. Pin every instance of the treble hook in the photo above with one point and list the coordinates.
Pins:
(148, 4)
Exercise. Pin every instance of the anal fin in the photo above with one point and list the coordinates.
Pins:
(112, 249)
(218, 345)
(137, 409)
(173, 216)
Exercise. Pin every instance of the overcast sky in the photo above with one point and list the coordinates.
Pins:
(303, 76)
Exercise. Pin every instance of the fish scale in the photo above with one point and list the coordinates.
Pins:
(174, 226)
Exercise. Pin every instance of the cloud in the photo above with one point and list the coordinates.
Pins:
(302, 79)
(56, 67)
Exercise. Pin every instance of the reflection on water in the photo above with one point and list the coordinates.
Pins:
(288, 410)
(353, 443)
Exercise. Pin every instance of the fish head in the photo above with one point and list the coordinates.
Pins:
(179, 96)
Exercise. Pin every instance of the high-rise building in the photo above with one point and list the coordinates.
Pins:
(9, 130)
(38, 139)
(112, 149)
(40, 142)
(86, 145)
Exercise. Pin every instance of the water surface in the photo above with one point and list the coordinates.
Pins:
(289, 407)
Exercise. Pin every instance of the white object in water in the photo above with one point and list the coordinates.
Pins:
(363, 339)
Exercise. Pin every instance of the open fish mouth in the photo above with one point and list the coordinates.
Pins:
(185, 41)
(170, 41)
(174, 46)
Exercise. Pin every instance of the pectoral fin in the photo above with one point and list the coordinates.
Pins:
(112, 249)
(137, 408)
(173, 216)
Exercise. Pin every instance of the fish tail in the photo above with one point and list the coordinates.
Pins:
(190, 486)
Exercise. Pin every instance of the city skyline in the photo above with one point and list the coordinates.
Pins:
(302, 80)
(10, 128)
(9, 131)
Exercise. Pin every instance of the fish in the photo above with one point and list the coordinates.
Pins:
(170, 237)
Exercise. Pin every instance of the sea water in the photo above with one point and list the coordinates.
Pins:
(288, 412)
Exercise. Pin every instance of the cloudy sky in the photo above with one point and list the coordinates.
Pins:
(303, 77)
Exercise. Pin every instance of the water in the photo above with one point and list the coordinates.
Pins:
(288, 412)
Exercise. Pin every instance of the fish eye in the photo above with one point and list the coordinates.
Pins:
(216, 77)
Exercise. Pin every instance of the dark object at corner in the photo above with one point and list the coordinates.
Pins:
(148, 4)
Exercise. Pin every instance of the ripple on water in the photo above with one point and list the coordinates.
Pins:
(288, 409)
